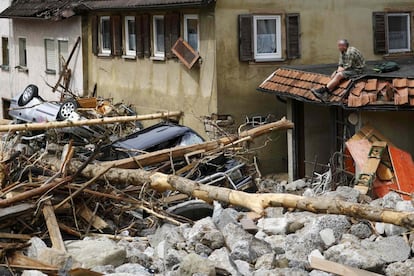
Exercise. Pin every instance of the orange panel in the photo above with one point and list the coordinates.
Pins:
(403, 165)
(371, 85)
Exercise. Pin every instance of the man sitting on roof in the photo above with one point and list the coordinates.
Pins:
(351, 65)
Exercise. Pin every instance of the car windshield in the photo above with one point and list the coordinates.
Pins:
(190, 138)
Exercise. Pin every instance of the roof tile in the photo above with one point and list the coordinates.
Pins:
(371, 85)
(400, 83)
(401, 97)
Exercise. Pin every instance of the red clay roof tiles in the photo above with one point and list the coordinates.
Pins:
(362, 92)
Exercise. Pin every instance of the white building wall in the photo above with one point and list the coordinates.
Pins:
(36, 31)
(5, 84)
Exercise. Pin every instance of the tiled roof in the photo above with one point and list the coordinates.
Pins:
(133, 4)
(48, 9)
(363, 92)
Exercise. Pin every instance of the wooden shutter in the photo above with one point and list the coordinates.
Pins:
(293, 36)
(172, 32)
(380, 25)
(139, 37)
(146, 34)
(95, 48)
(116, 35)
(185, 53)
(245, 37)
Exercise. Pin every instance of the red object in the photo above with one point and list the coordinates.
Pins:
(403, 165)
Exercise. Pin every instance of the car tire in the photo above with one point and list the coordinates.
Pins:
(192, 209)
(28, 94)
(66, 109)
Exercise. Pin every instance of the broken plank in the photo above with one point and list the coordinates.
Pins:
(87, 122)
(14, 236)
(53, 227)
(88, 215)
(339, 269)
(16, 210)
(18, 260)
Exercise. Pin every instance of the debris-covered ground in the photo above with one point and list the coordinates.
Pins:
(127, 203)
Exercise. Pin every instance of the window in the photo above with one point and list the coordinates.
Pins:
(22, 52)
(5, 53)
(105, 35)
(50, 55)
(63, 51)
(191, 30)
(398, 33)
(130, 36)
(260, 37)
(391, 32)
(158, 36)
(267, 37)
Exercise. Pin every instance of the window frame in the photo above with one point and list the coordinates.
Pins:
(59, 52)
(47, 62)
(185, 18)
(5, 52)
(156, 52)
(408, 18)
(102, 50)
(128, 52)
(278, 29)
(24, 52)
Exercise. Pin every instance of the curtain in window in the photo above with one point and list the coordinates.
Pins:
(192, 35)
(131, 35)
(160, 35)
(106, 34)
(397, 32)
(266, 36)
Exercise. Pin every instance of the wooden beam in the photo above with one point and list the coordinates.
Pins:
(88, 216)
(53, 226)
(15, 236)
(16, 210)
(88, 122)
(339, 269)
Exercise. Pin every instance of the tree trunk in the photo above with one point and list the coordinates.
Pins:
(88, 122)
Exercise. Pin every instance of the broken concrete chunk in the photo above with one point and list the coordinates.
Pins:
(266, 261)
(167, 232)
(193, 263)
(32, 273)
(243, 267)
(281, 272)
(344, 193)
(400, 268)
(221, 259)
(96, 252)
(134, 269)
(204, 231)
(273, 226)
(222, 217)
(327, 236)
(361, 230)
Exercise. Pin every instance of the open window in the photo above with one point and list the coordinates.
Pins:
(191, 30)
(130, 36)
(158, 36)
(392, 32)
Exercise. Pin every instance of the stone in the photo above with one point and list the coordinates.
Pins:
(338, 223)
(221, 259)
(104, 269)
(266, 261)
(222, 217)
(274, 212)
(36, 244)
(248, 225)
(174, 257)
(193, 263)
(281, 272)
(404, 206)
(344, 193)
(316, 272)
(95, 252)
(55, 257)
(298, 247)
(240, 250)
(261, 235)
(290, 187)
(258, 248)
(204, 231)
(243, 267)
(294, 226)
(202, 250)
(400, 268)
(393, 230)
(238, 241)
(31, 273)
(273, 226)
(309, 193)
(168, 233)
(327, 236)
(390, 200)
(315, 253)
(368, 254)
(134, 269)
(380, 227)
(361, 230)
(277, 243)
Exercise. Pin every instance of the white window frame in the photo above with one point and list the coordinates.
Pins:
(129, 52)
(157, 53)
(408, 18)
(268, 56)
(19, 51)
(105, 51)
(50, 70)
(192, 16)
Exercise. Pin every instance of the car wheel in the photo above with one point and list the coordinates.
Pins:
(192, 209)
(28, 94)
(67, 108)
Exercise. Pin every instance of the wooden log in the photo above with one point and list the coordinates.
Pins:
(165, 155)
(88, 215)
(53, 226)
(14, 236)
(88, 122)
(15, 211)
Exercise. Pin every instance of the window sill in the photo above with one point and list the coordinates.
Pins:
(398, 55)
(268, 61)
(131, 57)
(50, 72)
(22, 69)
(5, 68)
(104, 55)
(157, 58)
